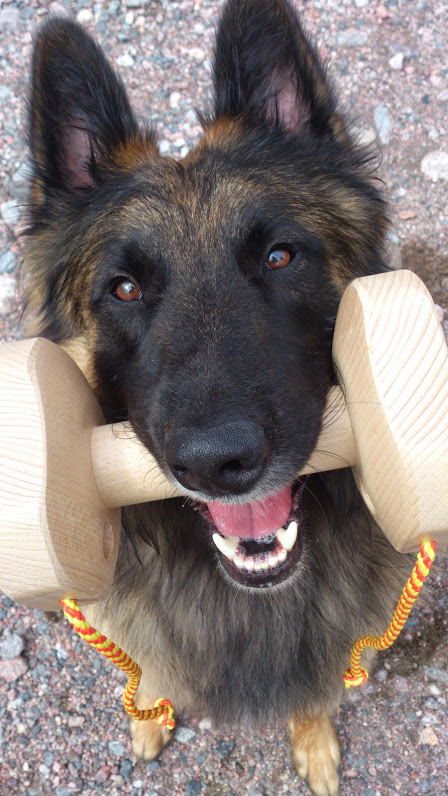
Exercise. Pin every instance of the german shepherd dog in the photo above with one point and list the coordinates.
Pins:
(199, 296)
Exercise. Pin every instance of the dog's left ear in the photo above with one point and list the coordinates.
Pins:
(266, 70)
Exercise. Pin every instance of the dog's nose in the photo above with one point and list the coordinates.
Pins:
(222, 459)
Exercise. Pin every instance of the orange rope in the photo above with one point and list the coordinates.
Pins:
(162, 710)
(356, 674)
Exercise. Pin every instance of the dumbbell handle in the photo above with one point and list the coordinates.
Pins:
(390, 421)
(126, 473)
(64, 474)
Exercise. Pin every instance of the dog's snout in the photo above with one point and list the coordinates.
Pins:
(221, 459)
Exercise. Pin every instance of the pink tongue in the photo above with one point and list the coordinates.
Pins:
(252, 520)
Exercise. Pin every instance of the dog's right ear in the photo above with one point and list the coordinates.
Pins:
(79, 111)
(266, 70)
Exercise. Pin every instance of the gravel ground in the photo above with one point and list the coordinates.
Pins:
(62, 729)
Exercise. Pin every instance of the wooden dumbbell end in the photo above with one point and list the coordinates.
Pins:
(391, 351)
(57, 538)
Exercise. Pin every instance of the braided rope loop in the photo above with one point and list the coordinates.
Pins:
(356, 674)
(162, 710)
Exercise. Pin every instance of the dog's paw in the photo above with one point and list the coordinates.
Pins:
(316, 753)
(148, 738)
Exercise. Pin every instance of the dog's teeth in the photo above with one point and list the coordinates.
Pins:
(287, 537)
(272, 560)
(238, 560)
(249, 564)
(227, 546)
(281, 555)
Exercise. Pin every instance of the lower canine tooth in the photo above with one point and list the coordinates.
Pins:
(281, 555)
(288, 536)
(227, 546)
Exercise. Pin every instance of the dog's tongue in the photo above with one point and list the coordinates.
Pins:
(252, 520)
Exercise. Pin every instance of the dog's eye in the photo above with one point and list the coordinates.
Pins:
(278, 258)
(125, 290)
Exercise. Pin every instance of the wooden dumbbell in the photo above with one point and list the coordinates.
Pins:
(65, 474)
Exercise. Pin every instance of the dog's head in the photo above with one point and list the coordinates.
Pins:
(205, 290)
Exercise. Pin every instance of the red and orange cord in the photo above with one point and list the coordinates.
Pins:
(356, 674)
(162, 709)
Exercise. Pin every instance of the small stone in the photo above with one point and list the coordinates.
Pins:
(125, 60)
(383, 123)
(76, 721)
(175, 99)
(58, 9)
(205, 724)
(407, 215)
(7, 264)
(185, 735)
(136, 3)
(13, 669)
(351, 38)
(429, 719)
(129, 17)
(225, 748)
(361, 3)
(437, 674)
(435, 165)
(5, 92)
(193, 787)
(11, 647)
(396, 62)
(117, 748)
(85, 16)
(197, 53)
(10, 20)
(61, 655)
(400, 684)
(382, 12)
(428, 737)
(10, 212)
(433, 134)
(49, 759)
(126, 769)
(381, 675)
(434, 689)
(164, 146)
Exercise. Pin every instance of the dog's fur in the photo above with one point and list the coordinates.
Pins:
(217, 336)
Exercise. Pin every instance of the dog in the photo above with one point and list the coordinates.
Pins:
(199, 297)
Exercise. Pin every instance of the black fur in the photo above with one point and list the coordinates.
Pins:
(217, 337)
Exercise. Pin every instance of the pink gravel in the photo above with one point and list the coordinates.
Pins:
(62, 728)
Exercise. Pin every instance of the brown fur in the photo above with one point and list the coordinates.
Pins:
(216, 335)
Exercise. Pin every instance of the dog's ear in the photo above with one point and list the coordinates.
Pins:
(265, 69)
(79, 111)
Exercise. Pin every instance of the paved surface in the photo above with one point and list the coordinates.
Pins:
(62, 730)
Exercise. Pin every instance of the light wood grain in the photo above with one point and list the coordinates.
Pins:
(391, 352)
(57, 539)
